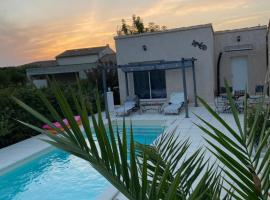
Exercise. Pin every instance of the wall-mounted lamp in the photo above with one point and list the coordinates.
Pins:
(238, 38)
(144, 47)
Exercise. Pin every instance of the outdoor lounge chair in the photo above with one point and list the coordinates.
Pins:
(175, 103)
(130, 105)
(259, 90)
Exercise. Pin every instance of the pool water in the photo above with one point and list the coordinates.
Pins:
(57, 175)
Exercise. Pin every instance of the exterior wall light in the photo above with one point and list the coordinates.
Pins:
(144, 47)
(238, 38)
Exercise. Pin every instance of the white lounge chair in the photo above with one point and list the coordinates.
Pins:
(175, 103)
(130, 105)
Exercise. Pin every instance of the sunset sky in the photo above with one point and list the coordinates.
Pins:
(32, 30)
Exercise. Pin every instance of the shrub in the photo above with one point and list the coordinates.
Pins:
(12, 76)
(260, 121)
(10, 130)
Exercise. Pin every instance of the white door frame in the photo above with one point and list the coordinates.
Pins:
(239, 72)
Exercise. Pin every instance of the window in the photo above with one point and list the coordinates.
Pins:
(150, 85)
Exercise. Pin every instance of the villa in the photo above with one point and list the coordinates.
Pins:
(69, 64)
(152, 66)
(238, 55)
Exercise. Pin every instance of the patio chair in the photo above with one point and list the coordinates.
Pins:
(131, 104)
(239, 103)
(222, 104)
(259, 90)
(238, 93)
(175, 103)
(223, 90)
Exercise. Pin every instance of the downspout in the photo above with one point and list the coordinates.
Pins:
(218, 73)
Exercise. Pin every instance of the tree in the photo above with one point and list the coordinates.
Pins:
(164, 170)
(138, 24)
(138, 27)
(124, 27)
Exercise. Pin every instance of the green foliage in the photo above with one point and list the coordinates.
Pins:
(12, 76)
(251, 114)
(245, 161)
(167, 170)
(6, 127)
(138, 24)
(152, 172)
(10, 130)
(138, 27)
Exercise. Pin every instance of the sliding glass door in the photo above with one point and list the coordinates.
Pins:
(150, 85)
(141, 85)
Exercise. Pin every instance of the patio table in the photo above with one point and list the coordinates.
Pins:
(150, 106)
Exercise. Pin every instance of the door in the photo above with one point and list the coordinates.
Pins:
(239, 73)
(150, 85)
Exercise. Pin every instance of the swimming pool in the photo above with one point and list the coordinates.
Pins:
(59, 175)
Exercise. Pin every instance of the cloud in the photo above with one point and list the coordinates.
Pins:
(209, 6)
(45, 41)
(161, 7)
(42, 29)
(187, 7)
(240, 20)
(237, 20)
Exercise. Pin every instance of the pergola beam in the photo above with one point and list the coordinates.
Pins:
(150, 66)
(158, 65)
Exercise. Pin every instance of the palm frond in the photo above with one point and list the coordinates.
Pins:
(246, 169)
(164, 170)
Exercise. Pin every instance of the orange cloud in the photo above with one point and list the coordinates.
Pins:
(49, 27)
(45, 41)
(182, 7)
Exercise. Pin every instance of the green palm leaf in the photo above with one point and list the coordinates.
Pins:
(161, 171)
(246, 169)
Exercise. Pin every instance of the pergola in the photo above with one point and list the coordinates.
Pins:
(182, 64)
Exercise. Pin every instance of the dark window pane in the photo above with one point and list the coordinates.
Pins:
(141, 85)
(158, 84)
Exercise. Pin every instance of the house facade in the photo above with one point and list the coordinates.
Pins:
(68, 65)
(241, 57)
(236, 55)
(167, 45)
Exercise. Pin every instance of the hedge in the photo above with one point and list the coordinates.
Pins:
(10, 130)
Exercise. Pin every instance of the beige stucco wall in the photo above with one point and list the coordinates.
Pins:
(171, 45)
(256, 58)
(268, 43)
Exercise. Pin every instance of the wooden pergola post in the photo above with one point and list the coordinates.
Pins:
(185, 87)
(104, 83)
(126, 80)
(194, 84)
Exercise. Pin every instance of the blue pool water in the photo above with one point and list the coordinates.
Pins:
(58, 175)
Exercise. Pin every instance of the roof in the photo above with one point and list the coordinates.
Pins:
(39, 64)
(166, 31)
(60, 69)
(82, 52)
(242, 29)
